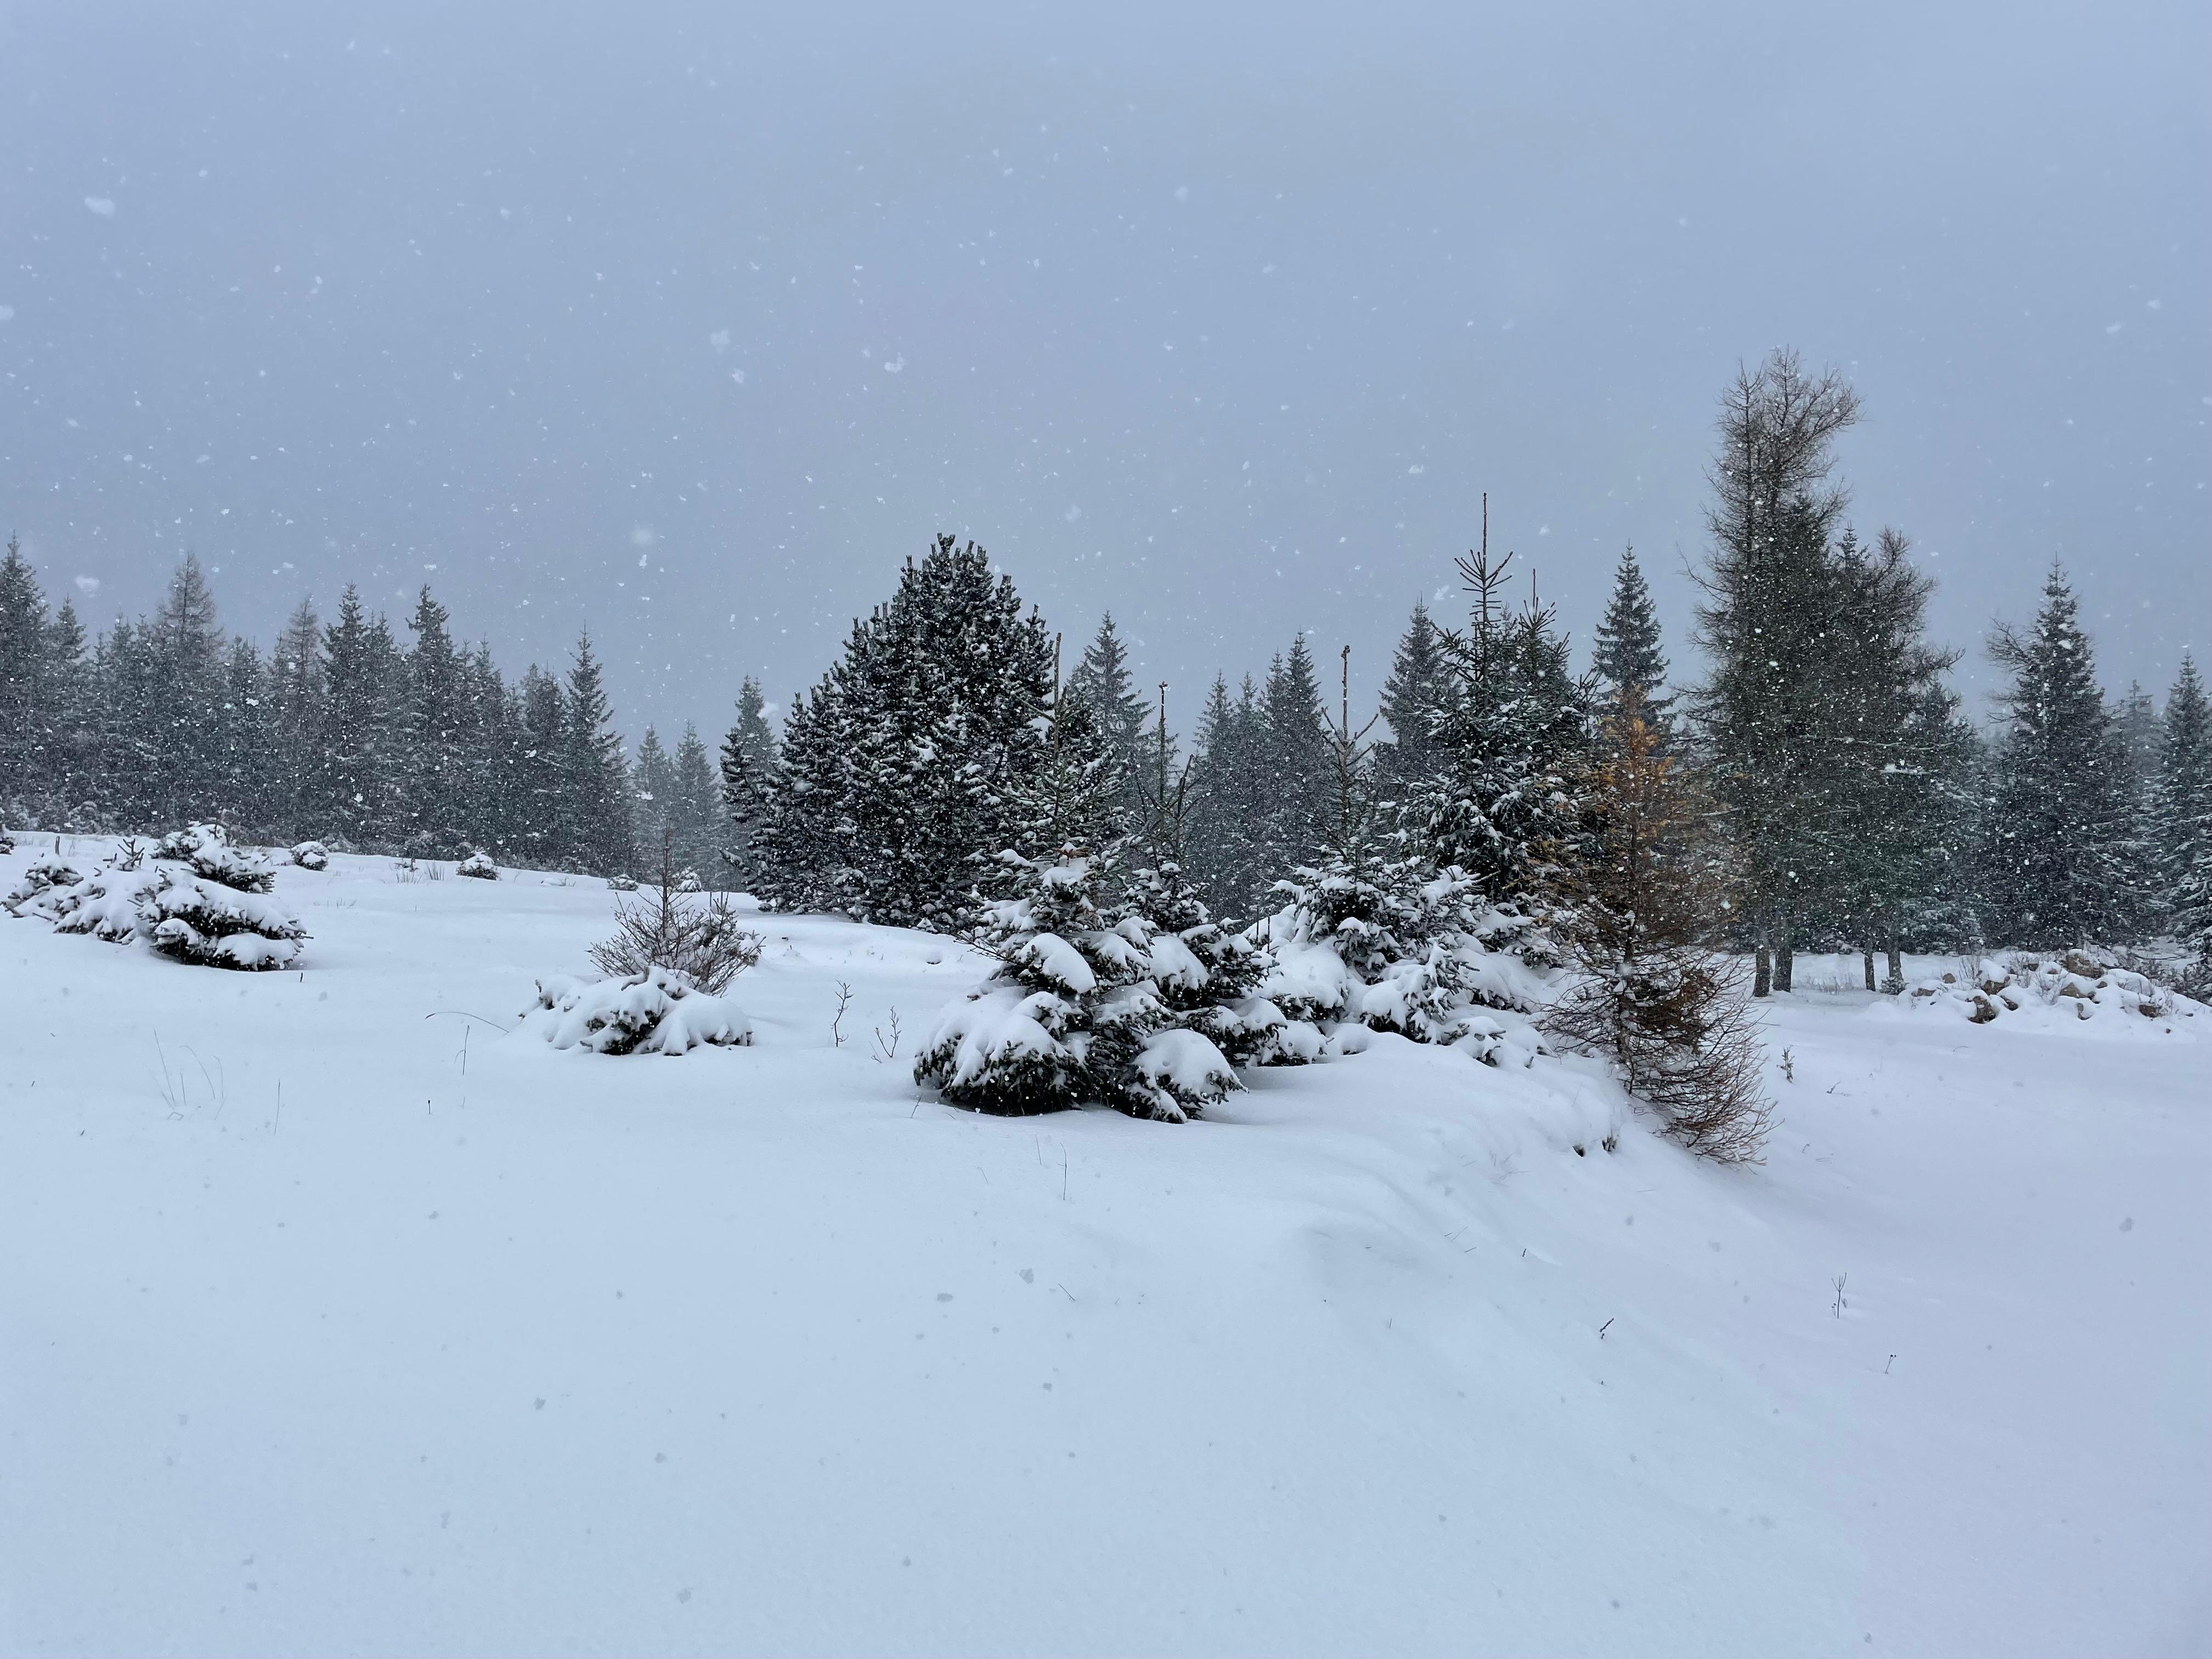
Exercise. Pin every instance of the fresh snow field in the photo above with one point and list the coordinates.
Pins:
(335, 1321)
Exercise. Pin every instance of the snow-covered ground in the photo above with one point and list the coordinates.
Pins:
(335, 1321)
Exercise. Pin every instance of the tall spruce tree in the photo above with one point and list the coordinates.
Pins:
(594, 778)
(652, 792)
(747, 773)
(546, 833)
(1294, 829)
(1103, 680)
(1503, 805)
(26, 714)
(694, 809)
(441, 753)
(1231, 797)
(1628, 651)
(2182, 816)
(907, 766)
(352, 795)
(2060, 852)
(297, 716)
(182, 741)
(1894, 752)
(68, 696)
(1416, 701)
(1771, 604)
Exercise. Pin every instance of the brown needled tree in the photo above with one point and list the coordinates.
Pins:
(1671, 1015)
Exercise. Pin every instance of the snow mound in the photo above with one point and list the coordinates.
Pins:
(655, 1012)
(198, 919)
(2054, 992)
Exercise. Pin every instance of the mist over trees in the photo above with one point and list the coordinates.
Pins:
(1845, 794)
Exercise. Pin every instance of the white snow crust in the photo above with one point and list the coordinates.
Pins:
(341, 1313)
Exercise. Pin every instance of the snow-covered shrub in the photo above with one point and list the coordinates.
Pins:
(1401, 947)
(1205, 976)
(206, 848)
(696, 936)
(657, 1011)
(47, 870)
(106, 904)
(688, 881)
(1074, 1014)
(312, 855)
(192, 917)
(7, 843)
(477, 867)
(619, 883)
(198, 920)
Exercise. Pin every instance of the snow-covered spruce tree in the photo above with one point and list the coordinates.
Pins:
(1372, 937)
(1103, 680)
(1503, 806)
(297, 712)
(1416, 702)
(652, 789)
(1229, 793)
(1205, 976)
(545, 815)
(695, 811)
(27, 735)
(909, 759)
(596, 780)
(2062, 859)
(1769, 607)
(1670, 1013)
(205, 849)
(1293, 827)
(2182, 818)
(1071, 1017)
(353, 790)
(1896, 758)
(749, 761)
(1077, 793)
(1628, 651)
(438, 754)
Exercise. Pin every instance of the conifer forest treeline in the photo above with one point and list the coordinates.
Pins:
(1804, 778)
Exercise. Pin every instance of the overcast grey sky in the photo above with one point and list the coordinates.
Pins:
(690, 323)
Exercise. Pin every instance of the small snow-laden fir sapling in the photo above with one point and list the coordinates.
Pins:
(311, 856)
(697, 935)
(477, 867)
(196, 919)
(206, 850)
(655, 1011)
(1074, 1014)
(672, 957)
(48, 870)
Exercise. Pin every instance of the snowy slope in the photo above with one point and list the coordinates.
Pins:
(750, 1352)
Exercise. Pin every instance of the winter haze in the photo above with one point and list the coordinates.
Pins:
(687, 324)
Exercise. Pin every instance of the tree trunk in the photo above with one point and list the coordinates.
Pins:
(1868, 954)
(1762, 972)
(1895, 983)
(1785, 958)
